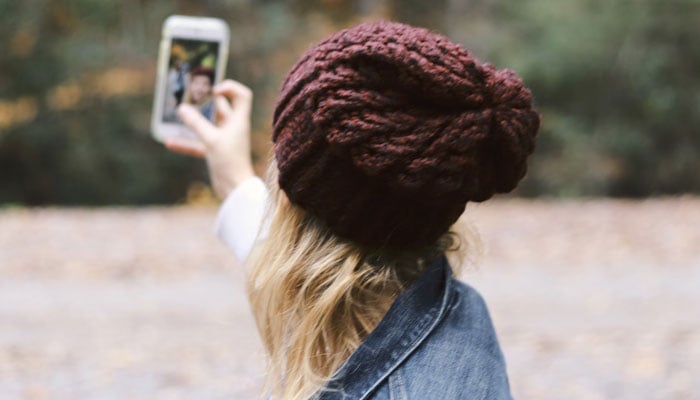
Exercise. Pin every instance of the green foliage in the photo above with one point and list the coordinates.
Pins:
(97, 151)
(618, 88)
(616, 83)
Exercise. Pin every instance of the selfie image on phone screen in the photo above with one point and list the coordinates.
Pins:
(190, 78)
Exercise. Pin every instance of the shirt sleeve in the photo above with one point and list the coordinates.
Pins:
(240, 217)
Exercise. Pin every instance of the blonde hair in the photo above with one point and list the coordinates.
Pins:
(316, 296)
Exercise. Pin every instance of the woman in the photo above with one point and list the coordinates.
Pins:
(199, 91)
(382, 133)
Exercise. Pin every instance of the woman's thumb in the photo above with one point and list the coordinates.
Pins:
(196, 122)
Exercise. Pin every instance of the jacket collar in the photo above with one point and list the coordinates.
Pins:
(412, 317)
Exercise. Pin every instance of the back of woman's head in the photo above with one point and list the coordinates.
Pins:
(316, 295)
(385, 131)
(382, 134)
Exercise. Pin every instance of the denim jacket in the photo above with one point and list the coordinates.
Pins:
(436, 342)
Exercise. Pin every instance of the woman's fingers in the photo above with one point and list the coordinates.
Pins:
(223, 108)
(231, 88)
(186, 146)
(240, 95)
(226, 144)
(197, 122)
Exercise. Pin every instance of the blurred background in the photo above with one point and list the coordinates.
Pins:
(591, 268)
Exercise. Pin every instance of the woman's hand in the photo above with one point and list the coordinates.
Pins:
(225, 146)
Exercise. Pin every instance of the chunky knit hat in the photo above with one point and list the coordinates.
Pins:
(385, 131)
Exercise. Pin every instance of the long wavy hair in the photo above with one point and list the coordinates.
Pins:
(316, 296)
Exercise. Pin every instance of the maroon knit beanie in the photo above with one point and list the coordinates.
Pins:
(385, 131)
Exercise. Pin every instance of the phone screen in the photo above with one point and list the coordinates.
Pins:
(190, 77)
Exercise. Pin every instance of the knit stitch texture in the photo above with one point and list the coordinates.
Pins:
(385, 131)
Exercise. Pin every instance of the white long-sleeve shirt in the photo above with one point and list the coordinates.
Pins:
(240, 217)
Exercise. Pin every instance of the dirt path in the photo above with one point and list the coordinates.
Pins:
(591, 300)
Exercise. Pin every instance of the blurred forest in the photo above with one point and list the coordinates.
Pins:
(617, 84)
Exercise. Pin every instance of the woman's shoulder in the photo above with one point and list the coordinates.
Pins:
(467, 307)
(461, 358)
(467, 324)
(435, 342)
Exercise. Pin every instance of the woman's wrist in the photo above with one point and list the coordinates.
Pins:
(224, 184)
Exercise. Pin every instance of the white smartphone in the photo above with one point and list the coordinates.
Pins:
(191, 60)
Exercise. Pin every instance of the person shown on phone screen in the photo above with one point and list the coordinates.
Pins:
(382, 134)
(199, 91)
